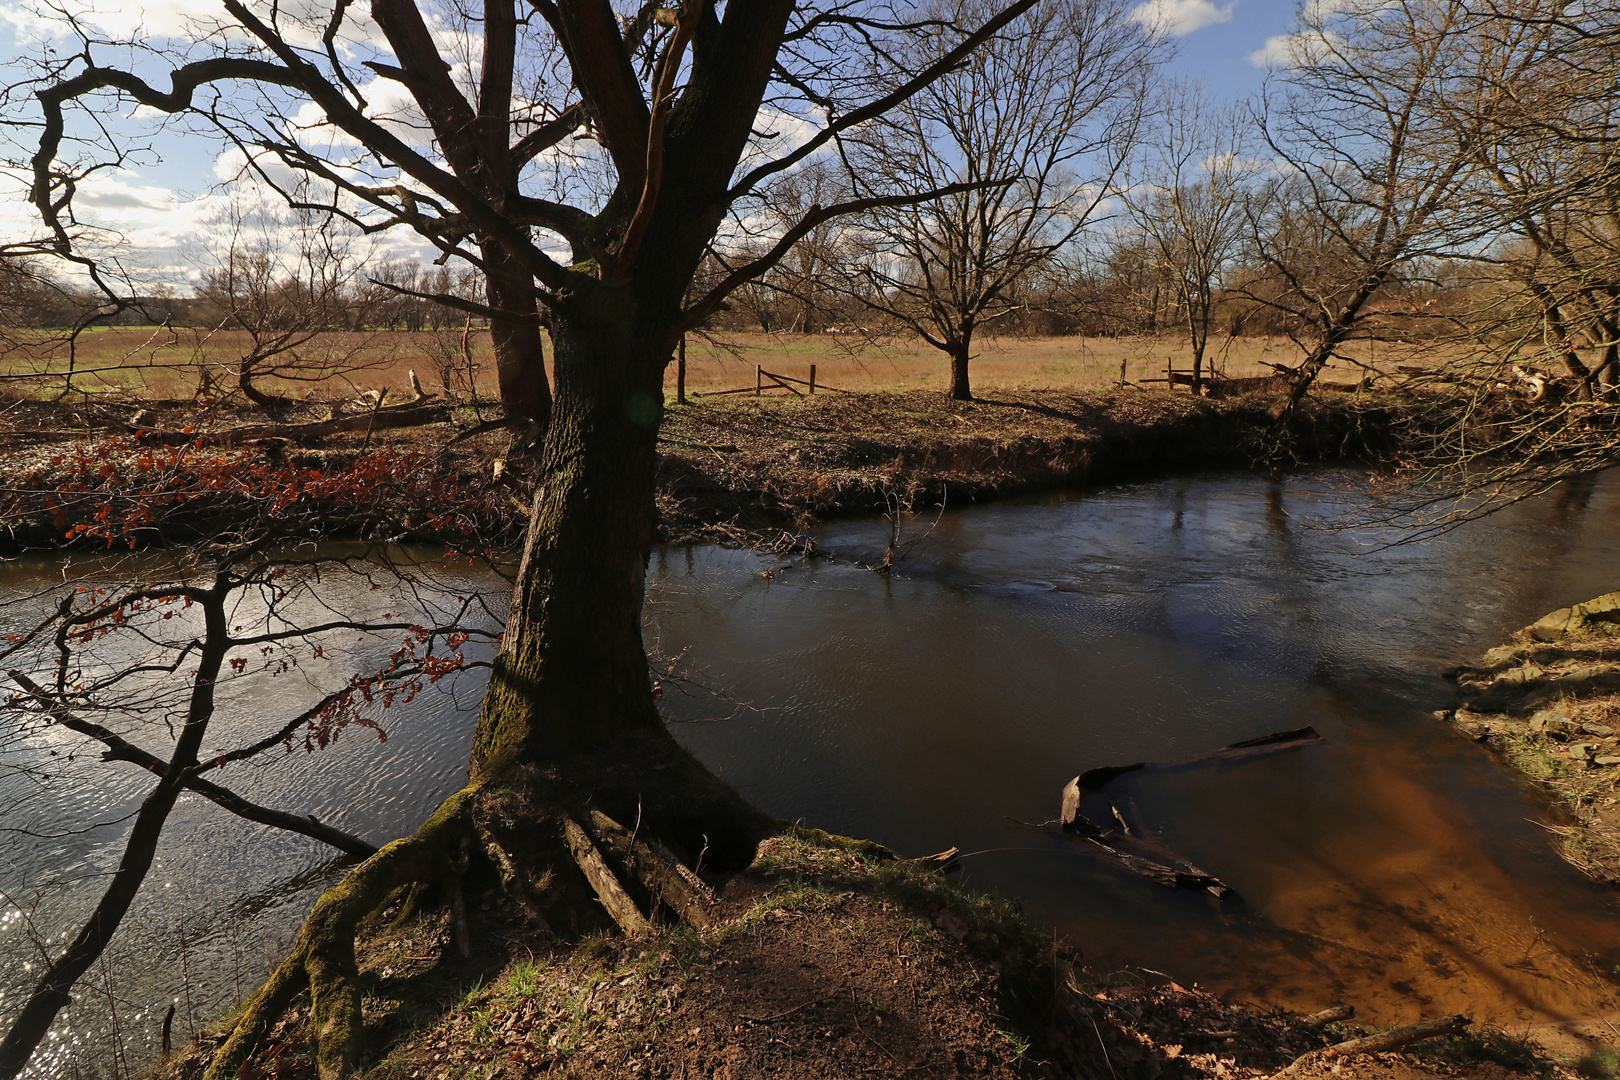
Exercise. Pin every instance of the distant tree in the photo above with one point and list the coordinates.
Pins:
(795, 295)
(291, 285)
(1363, 188)
(1185, 193)
(1039, 122)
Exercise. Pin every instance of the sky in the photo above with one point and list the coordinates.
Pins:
(164, 204)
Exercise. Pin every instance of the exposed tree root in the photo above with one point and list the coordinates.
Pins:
(526, 825)
(323, 956)
(664, 877)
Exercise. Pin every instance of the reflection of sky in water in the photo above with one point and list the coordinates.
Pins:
(1025, 642)
(1022, 643)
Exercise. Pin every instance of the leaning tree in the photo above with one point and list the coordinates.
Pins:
(1364, 188)
(582, 157)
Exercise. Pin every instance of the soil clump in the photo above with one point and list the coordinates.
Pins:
(1548, 704)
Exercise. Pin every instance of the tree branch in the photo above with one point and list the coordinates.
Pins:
(120, 749)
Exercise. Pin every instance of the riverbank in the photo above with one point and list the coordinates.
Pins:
(829, 958)
(832, 958)
(1548, 704)
(735, 469)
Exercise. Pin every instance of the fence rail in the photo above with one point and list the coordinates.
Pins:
(777, 382)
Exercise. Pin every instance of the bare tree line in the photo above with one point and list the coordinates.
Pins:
(1413, 171)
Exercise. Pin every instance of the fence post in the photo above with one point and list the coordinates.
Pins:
(759, 379)
(680, 372)
(1122, 374)
(812, 378)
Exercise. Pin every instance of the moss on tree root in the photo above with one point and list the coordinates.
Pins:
(323, 957)
(643, 779)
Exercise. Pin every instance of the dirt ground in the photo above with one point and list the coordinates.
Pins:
(832, 958)
(1548, 704)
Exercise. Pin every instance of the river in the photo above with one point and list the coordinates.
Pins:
(1393, 866)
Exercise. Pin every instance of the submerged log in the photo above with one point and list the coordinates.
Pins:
(1097, 779)
(1138, 850)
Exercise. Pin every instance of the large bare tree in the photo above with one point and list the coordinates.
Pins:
(1535, 344)
(1363, 187)
(583, 157)
(1038, 122)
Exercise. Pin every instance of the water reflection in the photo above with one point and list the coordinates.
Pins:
(224, 895)
(1395, 867)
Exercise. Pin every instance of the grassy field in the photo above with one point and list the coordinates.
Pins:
(154, 362)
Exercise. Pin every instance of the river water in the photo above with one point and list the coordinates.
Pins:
(1393, 866)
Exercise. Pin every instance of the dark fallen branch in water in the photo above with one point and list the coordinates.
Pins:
(1096, 779)
(1138, 850)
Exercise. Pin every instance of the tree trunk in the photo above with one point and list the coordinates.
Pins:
(270, 403)
(520, 368)
(572, 673)
(960, 351)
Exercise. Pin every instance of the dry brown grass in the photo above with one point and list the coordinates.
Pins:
(148, 362)
(1007, 363)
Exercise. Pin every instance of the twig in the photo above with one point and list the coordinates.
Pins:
(785, 1012)
(1388, 1040)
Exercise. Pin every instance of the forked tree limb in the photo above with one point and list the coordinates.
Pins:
(608, 890)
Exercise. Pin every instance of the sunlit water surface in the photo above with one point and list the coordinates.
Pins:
(1393, 866)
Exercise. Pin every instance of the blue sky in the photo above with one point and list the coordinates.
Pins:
(1220, 54)
(164, 206)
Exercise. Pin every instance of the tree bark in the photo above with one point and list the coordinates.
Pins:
(961, 352)
(572, 673)
(520, 368)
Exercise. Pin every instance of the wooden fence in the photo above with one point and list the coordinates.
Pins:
(766, 381)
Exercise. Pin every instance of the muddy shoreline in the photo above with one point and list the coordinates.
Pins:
(1547, 704)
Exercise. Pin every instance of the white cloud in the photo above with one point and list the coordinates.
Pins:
(778, 133)
(1178, 18)
(387, 102)
(1278, 51)
(1294, 50)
